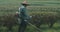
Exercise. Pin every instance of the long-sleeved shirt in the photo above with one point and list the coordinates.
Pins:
(22, 12)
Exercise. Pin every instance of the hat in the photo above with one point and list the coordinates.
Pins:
(25, 2)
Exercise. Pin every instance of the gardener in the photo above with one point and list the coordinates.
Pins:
(22, 13)
(23, 16)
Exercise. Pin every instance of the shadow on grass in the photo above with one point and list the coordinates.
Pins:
(56, 28)
(46, 28)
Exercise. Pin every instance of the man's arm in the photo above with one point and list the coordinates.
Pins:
(18, 12)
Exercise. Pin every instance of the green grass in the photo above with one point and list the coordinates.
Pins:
(17, 2)
(44, 28)
(55, 28)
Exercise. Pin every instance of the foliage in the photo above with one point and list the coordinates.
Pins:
(44, 18)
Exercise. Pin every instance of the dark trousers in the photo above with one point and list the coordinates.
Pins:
(22, 26)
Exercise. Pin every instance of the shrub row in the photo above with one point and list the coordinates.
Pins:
(11, 19)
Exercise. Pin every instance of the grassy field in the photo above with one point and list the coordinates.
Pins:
(11, 6)
(44, 28)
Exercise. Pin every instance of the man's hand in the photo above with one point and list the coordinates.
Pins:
(17, 13)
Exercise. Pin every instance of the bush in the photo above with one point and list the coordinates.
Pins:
(8, 20)
(37, 18)
(44, 18)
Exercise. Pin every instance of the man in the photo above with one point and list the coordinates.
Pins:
(22, 15)
(22, 11)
